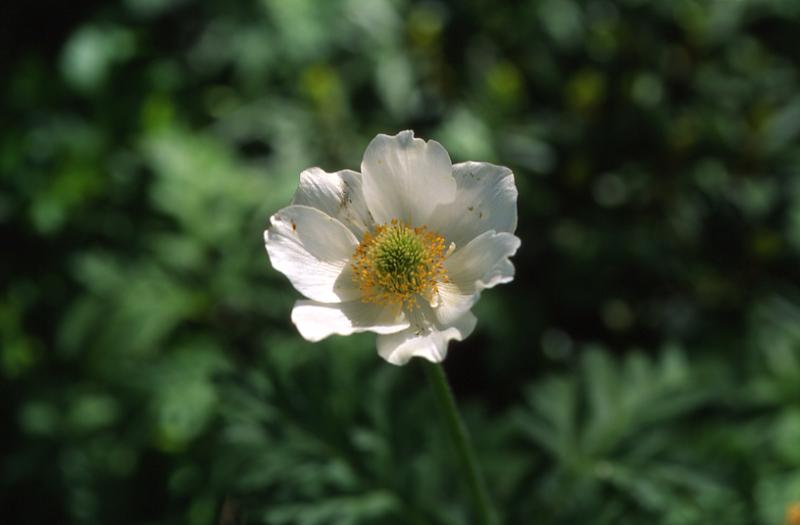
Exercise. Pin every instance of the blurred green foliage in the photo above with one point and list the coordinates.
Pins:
(644, 367)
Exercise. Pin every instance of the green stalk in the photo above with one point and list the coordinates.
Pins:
(458, 432)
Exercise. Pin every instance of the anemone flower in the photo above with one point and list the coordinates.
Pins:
(402, 249)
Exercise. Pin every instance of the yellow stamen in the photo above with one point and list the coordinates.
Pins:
(793, 514)
(397, 263)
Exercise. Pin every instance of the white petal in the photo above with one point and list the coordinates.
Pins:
(406, 178)
(316, 321)
(337, 194)
(453, 303)
(429, 344)
(483, 263)
(486, 199)
(313, 250)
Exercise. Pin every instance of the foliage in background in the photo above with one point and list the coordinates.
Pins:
(644, 367)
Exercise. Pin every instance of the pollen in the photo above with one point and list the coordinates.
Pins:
(396, 264)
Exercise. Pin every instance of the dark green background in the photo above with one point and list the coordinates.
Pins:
(643, 367)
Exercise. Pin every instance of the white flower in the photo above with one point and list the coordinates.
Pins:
(402, 249)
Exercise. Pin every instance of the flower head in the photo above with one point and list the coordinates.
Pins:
(402, 249)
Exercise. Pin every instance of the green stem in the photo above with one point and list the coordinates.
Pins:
(466, 454)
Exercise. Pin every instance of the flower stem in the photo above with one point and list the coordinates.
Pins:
(458, 432)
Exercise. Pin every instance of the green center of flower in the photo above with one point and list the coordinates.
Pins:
(397, 263)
